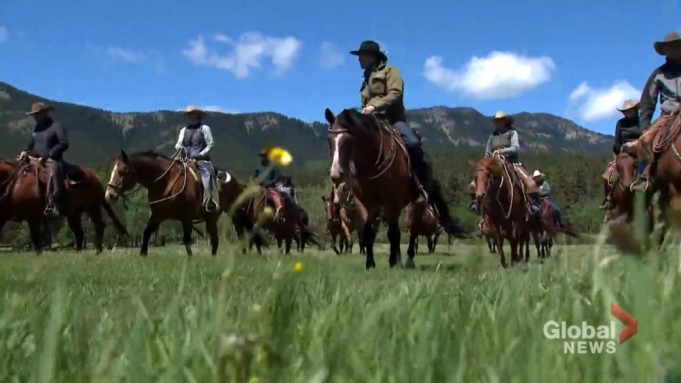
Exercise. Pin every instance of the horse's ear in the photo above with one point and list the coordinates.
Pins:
(324, 198)
(330, 118)
(124, 157)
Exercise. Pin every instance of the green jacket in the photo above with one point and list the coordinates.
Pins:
(385, 92)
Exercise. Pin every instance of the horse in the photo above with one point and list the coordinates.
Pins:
(370, 156)
(236, 204)
(421, 220)
(173, 191)
(499, 191)
(621, 196)
(24, 199)
(335, 227)
(301, 235)
(487, 232)
(353, 215)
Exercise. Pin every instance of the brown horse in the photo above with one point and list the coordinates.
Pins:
(335, 227)
(236, 204)
(353, 214)
(621, 195)
(499, 191)
(24, 199)
(372, 159)
(421, 220)
(487, 232)
(173, 189)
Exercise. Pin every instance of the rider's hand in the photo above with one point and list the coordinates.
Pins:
(178, 147)
(369, 110)
(22, 155)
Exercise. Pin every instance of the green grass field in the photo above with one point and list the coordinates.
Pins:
(118, 317)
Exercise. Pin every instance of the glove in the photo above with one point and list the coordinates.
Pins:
(22, 156)
(178, 147)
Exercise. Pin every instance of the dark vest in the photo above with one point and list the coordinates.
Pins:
(193, 140)
(629, 130)
(503, 141)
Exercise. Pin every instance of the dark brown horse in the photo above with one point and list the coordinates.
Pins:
(487, 232)
(173, 189)
(372, 159)
(24, 199)
(353, 214)
(499, 192)
(236, 203)
(335, 227)
(422, 221)
(620, 183)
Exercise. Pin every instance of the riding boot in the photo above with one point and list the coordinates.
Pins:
(420, 169)
(55, 200)
(607, 200)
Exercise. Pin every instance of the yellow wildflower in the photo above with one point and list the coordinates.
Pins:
(299, 267)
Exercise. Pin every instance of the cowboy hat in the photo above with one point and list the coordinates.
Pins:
(503, 116)
(39, 107)
(629, 104)
(671, 39)
(370, 48)
(195, 109)
(536, 174)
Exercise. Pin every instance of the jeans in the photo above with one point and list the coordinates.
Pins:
(408, 134)
(56, 177)
(557, 211)
(642, 164)
(210, 190)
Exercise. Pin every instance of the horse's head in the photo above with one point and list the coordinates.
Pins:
(626, 169)
(351, 135)
(122, 177)
(485, 170)
(328, 208)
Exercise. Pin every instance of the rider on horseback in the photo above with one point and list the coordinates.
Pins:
(545, 192)
(49, 142)
(383, 92)
(270, 173)
(197, 140)
(665, 83)
(504, 141)
(627, 130)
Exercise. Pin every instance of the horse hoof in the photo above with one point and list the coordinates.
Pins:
(411, 264)
(371, 265)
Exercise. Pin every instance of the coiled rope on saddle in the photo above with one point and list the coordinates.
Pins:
(506, 177)
(668, 134)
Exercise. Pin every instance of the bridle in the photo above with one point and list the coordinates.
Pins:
(383, 163)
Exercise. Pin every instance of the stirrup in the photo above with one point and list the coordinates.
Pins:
(636, 185)
(51, 211)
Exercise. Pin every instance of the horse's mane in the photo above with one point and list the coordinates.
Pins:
(354, 121)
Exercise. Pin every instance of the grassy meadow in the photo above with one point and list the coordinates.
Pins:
(319, 317)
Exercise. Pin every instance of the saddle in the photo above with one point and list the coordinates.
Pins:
(73, 173)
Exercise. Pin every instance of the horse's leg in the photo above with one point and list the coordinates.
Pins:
(394, 238)
(334, 237)
(411, 250)
(152, 226)
(500, 251)
(369, 236)
(76, 226)
(212, 230)
(35, 227)
(288, 241)
(187, 236)
(429, 239)
(95, 215)
(515, 258)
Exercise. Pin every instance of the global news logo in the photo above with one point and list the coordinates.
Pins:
(589, 339)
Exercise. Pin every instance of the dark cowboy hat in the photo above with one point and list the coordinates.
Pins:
(671, 40)
(370, 48)
(503, 116)
(39, 107)
(629, 104)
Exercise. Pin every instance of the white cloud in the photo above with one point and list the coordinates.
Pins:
(4, 34)
(597, 104)
(497, 76)
(129, 56)
(246, 54)
(330, 56)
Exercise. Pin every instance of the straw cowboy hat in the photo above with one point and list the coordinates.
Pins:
(503, 116)
(370, 48)
(537, 173)
(629, 104)
(670, 40)
(39, 107)
(195, 109)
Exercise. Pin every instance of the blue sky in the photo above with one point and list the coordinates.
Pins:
(576, 59)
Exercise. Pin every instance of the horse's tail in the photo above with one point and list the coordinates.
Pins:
(257, 237)
(308, 235)
(449, 224)
(114, 218)
(569, 231)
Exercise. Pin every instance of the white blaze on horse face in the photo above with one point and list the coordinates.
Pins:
(113, 175)
(336, 169)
